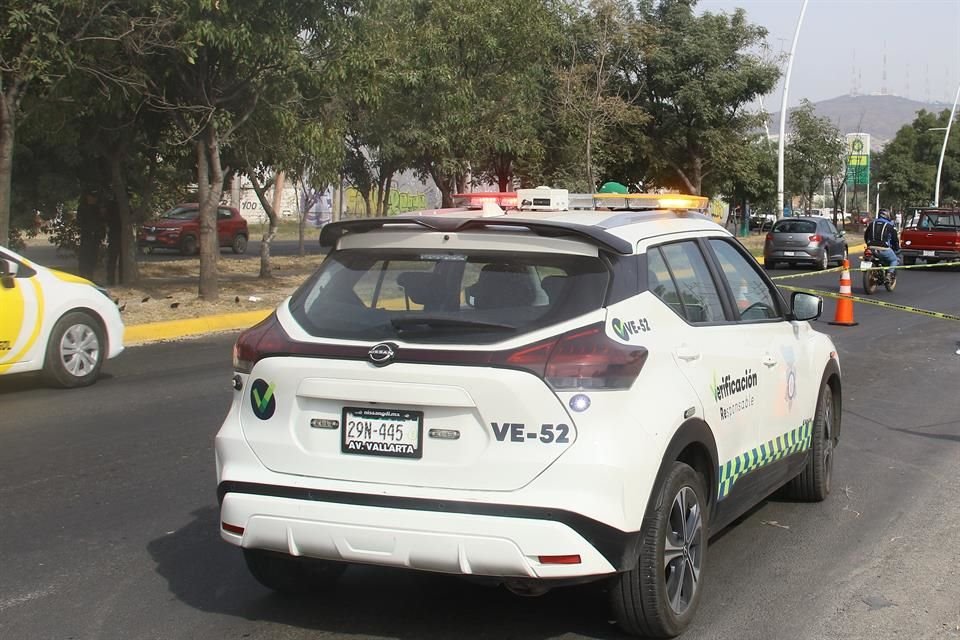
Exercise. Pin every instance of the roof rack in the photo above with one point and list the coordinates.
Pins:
(332, 232)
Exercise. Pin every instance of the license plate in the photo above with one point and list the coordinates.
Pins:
(929, 254)
(789, 253)
(865, 264)
(151, 238)
(382, 432)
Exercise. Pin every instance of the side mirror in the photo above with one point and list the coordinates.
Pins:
(8, 271)
(805, 306)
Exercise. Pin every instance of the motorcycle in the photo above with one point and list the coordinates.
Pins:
(875, 274)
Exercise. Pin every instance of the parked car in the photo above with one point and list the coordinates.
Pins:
(54, 322)
(762, 221)
(537, 398)
(179, 229)
(809, 240)
(931, 234)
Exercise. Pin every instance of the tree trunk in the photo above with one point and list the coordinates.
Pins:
(591, 185)
(210, 188)
(388, 184)
(302, 222)
(270, 210)
(445, 184)
(8, 121)
(129, 270)
(367, 204)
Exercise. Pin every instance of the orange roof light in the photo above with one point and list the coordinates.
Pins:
(672, 201)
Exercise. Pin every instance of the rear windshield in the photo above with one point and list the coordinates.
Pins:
(795, 226)
(438, 297)
(939, 221)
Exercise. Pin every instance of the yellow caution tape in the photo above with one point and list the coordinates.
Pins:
(835, 269)
(878, 303)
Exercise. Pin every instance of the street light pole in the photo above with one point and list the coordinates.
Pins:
(783, 111)
(943, 151)
(878, 196)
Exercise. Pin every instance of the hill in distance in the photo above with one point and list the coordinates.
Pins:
(879, 115)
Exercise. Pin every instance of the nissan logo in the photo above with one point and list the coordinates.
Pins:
(382, 354)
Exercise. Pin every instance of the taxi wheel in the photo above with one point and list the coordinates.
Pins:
(75, 351)
(813, 483)
(659, 597)
(290, 575)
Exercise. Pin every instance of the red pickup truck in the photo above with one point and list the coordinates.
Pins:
(931, 234)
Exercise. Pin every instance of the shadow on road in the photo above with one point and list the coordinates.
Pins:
(210, 575)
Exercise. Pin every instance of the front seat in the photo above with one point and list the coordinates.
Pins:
(502, 285)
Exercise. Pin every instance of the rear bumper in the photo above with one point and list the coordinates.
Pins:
(803, 254)
(939, 254)
(478, 539)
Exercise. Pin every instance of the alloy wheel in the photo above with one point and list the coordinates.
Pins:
(683, 550)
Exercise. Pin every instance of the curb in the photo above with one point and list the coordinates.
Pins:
(173, 329)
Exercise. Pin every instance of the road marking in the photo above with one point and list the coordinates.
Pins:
(27, 597)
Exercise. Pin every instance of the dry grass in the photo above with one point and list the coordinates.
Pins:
(168, 290)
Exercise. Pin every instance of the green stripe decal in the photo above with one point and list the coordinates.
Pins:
(794, 441)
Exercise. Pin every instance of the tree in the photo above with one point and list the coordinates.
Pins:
(814, 151)
(698, 76)
(908, 164)
(592, 95)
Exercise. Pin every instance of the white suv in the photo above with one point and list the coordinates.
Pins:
(543, 398)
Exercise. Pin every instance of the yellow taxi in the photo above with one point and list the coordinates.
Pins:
(54, 322)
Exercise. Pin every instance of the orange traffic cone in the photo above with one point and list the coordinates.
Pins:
(844, 313)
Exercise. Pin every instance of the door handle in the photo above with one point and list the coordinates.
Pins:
(769, 361)
(687, 354)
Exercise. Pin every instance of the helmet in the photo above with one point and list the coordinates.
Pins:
(883, 213)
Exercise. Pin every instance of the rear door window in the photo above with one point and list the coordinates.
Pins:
(468, 297)
(677, 274)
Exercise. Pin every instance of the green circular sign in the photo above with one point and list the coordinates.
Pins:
(857, 145)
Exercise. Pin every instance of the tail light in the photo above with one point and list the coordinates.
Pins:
(815, 238)
(769, 237)
(582, 359)
(265, 337)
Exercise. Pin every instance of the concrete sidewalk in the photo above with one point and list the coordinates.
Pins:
(194, 327)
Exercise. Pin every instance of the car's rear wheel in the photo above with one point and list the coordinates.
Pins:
(659, 597)
(239, 244)
(844, 257)
(75, 351)
(769, 265)
(289, 575)
(813, 483)
(823, 262)
(188, 246)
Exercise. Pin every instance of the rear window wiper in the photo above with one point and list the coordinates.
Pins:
(440, 322)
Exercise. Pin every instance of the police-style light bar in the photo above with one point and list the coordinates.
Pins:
(671, 201)
(476, 200)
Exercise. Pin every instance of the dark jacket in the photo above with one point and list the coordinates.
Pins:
(882, 233)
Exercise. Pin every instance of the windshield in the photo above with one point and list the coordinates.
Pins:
(180, 213)
(436, 297)
(795, 226)
(940, 221)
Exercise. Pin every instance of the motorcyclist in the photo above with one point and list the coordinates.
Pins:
(882, 233)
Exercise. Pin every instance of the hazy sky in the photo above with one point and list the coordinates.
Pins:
(921, 39)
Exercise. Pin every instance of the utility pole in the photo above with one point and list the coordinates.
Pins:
(943, 151)
(783, 111)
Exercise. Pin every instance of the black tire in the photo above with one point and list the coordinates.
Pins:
(813, 483)
(844, 256)
(869, 283)
(75, 352)
(289, 575)
(769, 265)
(890, 283)
(641, 597)
(910, 261)
(823, 262)
(239, 244)
(189, 246)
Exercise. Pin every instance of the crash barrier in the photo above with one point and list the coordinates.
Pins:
(877, 303)
(844, 313)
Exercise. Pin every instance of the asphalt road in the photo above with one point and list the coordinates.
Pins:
(108, 518)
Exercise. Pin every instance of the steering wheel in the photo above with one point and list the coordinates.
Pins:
(767, 310)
